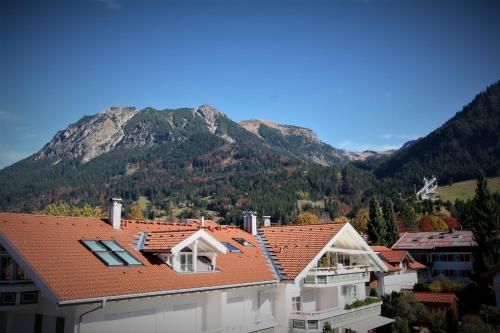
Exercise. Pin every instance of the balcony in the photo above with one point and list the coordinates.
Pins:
(332, 276)
(314, 321)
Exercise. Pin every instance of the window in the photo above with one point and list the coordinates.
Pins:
(60, 325)
(231, 248)
(350, 293)
(299, 323)
(6, 269)
(312, 324)
(29, 297)
(111, 253)
(296, 304)
(38, 323)
(186, 262)
(243, 242)
(8, 299)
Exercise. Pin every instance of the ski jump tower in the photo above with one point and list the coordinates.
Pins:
(428, 191)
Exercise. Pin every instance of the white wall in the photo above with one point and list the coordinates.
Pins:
(234, 310)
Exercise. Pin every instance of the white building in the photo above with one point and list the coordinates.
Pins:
(82, 275)
(324, 271)
(447, 253)
(401, 271)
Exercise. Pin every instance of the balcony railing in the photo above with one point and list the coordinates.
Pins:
(320, 279)
(314, 321)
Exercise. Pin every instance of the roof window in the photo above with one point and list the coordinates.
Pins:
(231, 248)
(243, 241)
(111, 253)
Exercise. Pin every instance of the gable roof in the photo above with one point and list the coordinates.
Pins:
(294, 246)
(164, 241)
(175, 240)
(428, 297)
(393, 258)
(48, 248)
(433, 240)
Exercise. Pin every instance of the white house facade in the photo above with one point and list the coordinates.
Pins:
(402, 271)
(83, 275)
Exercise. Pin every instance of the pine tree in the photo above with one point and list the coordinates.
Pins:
(409, 217)
(483, 216)
(376, 224)
(390, 223)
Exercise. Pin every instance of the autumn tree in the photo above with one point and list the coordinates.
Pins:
(376, 225)
(62, 208)
(306, 218)
(135, 212)
(392, 234)
(360, 221)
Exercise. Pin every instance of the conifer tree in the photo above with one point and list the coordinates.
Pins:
(409, 217)
(376, 224)
(390, 223)
(483, 216)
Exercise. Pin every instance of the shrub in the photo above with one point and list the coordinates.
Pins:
(363, 302)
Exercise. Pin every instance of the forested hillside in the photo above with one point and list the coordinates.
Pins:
(188, 158)
(458, 150)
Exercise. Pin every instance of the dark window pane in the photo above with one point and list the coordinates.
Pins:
(60, 325)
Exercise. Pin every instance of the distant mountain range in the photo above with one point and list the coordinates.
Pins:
(199, 157)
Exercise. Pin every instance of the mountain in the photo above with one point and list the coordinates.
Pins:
(188, 158)
(300, 142)
(458, 150)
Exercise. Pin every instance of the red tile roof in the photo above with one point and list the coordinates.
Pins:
(432, 240)
(164, 241)
(392, 268)
(427, 297)
(416, 265)
(391, 257)
(51, 246)
(294, 246)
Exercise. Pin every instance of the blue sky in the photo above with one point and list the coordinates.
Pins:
(362, 74)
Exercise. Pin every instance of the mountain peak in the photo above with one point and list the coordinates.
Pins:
(253, 125)
(210, 115)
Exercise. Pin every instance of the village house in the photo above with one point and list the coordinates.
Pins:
(73, 274)
(447, 253)
(401, 270)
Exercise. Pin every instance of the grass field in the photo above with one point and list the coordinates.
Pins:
(465, 190)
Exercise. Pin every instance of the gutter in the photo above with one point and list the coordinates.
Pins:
(80, 319)
(161, 293)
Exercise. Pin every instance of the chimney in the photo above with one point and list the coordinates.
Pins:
(267, 221)
(115, 212)
(250, 223)
(202, 221)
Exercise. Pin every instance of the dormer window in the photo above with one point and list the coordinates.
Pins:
(110, 252)
(185, 251)
(186, 259)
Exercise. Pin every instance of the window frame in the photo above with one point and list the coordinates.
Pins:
(108, 249)
(231, 248)
(242, 241)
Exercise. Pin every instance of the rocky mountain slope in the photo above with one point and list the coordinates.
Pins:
(299, 141)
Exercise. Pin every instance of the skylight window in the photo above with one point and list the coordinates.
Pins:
(243, 242)
(231, 248)
(111, 253)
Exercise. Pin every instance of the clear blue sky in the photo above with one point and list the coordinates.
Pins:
(362, 74)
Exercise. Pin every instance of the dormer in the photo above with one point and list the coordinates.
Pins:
(186, 251)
